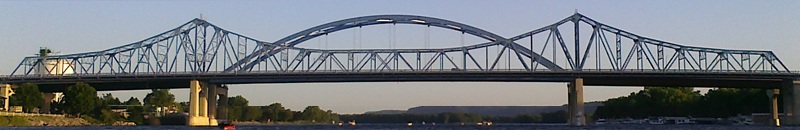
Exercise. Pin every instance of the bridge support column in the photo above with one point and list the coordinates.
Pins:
(196, 116)
(5, 94)
(212, 104)
(791, 102)
(222, 105)
(203, 103)
(47, 98)
(575, 103)
(203, 100)
(773, 107)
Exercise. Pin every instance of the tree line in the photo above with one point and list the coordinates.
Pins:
(458, 117)
(81, 100)
(239, 110)
(685, 101)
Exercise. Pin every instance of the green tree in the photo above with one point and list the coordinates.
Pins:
(670, 101)
(132, 102)
(287, 115)
(236, 107)
(108, 117)
(330, 116)
(251, 113)
(110, 99)
(235, 113)
(275, 112)
(654, 101)
(312, 113)
(135, 111)
(315, 114)
(80, 99)
(159, 98)
(107, 100)
(184, 106)
(237, 101)
(559, 116)
(27, 96)
(527, 118)
(724, 102)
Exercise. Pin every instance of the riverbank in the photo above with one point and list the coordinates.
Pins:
(278, 123)
(42, 121)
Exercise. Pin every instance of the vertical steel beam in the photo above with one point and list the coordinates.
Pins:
(578, 65)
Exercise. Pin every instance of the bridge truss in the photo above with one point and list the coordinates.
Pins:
(575, 43)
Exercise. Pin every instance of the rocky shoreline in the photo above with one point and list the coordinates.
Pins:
(45, 121)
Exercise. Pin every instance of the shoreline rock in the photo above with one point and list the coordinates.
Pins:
(123, 123)
(43, 121)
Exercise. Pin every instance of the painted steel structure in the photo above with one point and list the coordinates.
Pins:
(199, 52)
(201, 47)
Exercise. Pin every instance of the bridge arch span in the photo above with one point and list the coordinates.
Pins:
(335, 26)
(311, 33)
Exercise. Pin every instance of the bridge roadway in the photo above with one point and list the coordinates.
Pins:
(111, 82)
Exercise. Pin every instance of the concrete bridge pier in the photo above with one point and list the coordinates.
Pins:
(221, 111)
(575, 103)
(203, 103)
(791, 102)
(773, 107)
(47, 98)
(5, 94)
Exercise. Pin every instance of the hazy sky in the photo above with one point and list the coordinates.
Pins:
(81, 26)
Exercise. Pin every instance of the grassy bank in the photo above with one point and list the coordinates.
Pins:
(13, 121)
(41, 120)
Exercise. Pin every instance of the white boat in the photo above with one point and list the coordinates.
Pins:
(678, 120)
(656, 121)
(684, 121)
(600, 122)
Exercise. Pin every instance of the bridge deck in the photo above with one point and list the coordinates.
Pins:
(594, 78)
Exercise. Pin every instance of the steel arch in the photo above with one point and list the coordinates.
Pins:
(299, 37)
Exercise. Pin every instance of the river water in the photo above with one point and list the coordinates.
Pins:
(422, 127)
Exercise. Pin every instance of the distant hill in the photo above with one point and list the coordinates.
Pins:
(386, 112)
(497, 110)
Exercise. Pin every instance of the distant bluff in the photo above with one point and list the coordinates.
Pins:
(489, 110)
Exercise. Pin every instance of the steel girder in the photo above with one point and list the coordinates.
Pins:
(201, 47)
(331, 27)
(194, 47)
(650, 53)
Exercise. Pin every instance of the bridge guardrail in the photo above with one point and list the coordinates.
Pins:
(389, 71)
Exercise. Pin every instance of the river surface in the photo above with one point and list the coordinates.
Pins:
(421, 127)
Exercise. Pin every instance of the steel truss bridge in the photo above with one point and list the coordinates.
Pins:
(557, 52)
(203, 57)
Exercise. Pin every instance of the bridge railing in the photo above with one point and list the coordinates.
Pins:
(393, 71)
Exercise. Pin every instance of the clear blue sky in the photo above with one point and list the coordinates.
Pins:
(80, 26)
